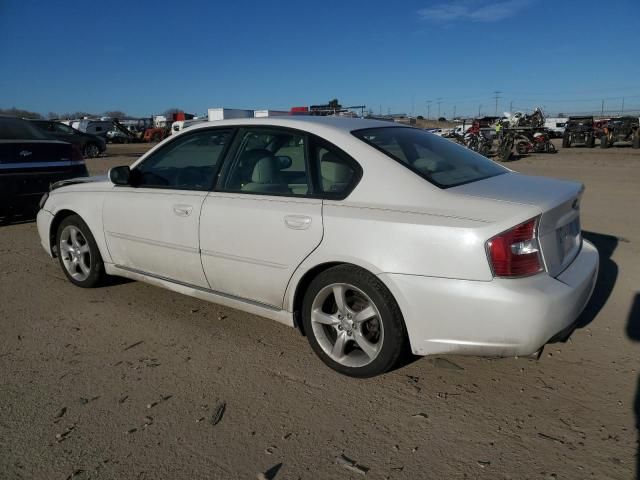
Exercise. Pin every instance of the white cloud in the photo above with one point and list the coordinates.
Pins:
(474, 11)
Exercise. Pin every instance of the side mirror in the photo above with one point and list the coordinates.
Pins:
(120, 175)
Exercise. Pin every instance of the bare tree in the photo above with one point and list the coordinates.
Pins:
(117, 114)
(16, 112)
(81, 114)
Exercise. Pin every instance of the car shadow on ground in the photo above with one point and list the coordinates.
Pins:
(607, 276)
(633, 332)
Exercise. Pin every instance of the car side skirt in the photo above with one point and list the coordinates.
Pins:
(220, 298)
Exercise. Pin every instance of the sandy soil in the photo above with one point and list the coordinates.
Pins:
(131, 381)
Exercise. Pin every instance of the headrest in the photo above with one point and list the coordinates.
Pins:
(250, 157)
(266, 171)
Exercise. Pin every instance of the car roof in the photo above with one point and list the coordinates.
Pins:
(303, 122)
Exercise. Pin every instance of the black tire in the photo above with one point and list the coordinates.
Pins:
(591, 141)
(393, 328)
(504, 153)
(96, 275)
(91, 150)
(604, 141)
(522, 147)
(566, 141)
(636, 140)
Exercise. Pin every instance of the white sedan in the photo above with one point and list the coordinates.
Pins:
(367, 236)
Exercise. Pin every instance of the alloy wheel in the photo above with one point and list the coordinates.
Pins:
(347, 325)
(75, 253)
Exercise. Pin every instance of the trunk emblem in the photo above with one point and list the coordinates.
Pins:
(25, 153)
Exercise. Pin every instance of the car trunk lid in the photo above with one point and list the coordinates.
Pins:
(559, 232)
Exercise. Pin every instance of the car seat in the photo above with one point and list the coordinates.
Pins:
(266, 177)
(335, 174)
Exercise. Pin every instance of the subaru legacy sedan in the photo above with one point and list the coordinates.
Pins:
(368, 237)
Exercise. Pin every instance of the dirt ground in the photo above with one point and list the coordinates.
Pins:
(131, 381)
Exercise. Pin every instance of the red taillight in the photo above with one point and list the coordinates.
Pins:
(515, 253)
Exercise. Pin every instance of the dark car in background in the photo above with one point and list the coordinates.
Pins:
(29, 162)
(579, 131)
(90, 145)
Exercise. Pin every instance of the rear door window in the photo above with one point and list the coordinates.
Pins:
(270, 162)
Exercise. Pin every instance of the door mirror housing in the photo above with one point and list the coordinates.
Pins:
(120, 175)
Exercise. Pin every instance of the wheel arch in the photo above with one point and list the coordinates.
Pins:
(53, 229)
(296, 297)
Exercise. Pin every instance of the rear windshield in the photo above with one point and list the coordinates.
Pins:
(438, 160)
(17, 129)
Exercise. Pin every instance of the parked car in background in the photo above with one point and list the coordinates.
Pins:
(556, 126)
(365, 235)
(30, 161)
(621, 130)
(94, 127)
(579, 131)
(90, 145)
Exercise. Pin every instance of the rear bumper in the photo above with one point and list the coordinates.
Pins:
(502, 317)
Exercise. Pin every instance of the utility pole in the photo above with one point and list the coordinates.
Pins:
(479, 108)
(454, 111)
(602, 110)
(496, 95)
(622, 111)
(429, 109)
(439, 102)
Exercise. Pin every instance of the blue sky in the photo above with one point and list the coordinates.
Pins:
(145, 57)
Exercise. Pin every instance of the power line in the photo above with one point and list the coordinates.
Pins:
(496, 95)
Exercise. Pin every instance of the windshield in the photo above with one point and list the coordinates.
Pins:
(438, 160)
(17, 129)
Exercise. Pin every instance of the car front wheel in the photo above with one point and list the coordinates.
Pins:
(352, 322)
(78, 253)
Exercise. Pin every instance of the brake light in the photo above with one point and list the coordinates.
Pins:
(516, 253)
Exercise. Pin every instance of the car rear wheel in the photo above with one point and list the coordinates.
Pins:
(591, 141)
(78, 253)
(604, 142)
(91, 150)
(566, 141)
(352, 322)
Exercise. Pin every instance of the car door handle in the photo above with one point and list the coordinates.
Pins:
(182, 210)
(297, 222)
